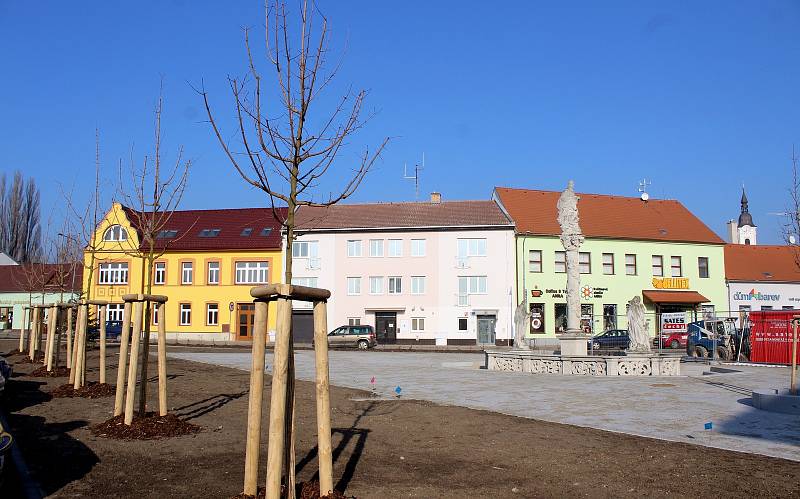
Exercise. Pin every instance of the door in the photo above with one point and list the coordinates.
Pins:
(246, 317)
(303, 326)
(386, 327)
(486, 325)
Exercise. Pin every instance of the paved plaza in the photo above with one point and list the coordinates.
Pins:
(671, 408)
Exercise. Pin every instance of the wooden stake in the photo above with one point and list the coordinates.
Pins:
(25, 314)
(80, 347)
(325, 454)
(162, 359)
(74, 355)
(793, 380)
(52, 324)
(69, 337)
(32, 336)
(101, 312)
(123, 358)
(134, 361)
(288, 453)
(254, 407)
(277, 410)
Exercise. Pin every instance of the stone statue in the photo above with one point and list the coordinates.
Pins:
(571, 239)
(637, 326)
(522, 318)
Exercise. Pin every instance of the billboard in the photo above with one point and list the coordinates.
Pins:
(673, 322)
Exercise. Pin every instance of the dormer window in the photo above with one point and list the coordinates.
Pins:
(266, 231)
(115, 233)
(166, 234)
(209, 232)
(246, 232)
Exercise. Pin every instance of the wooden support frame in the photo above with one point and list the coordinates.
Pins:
(26, 313)
(70, 315)
(79, 352)
(52, 325)
(125, 339)
(36, 326)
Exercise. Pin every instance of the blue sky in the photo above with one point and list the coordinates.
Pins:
(699, 97)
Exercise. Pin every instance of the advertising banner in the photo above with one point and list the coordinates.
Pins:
(771, 337)
(673, 322)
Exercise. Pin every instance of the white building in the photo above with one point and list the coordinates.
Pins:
(743, 231)
(421, 273)
(762, 277)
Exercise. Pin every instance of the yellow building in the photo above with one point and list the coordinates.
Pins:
(208, 262)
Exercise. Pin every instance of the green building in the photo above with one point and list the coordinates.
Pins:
(35, 284)
(655, 249)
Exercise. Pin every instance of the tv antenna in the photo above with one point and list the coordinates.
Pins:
(417, 168)
(643, 189)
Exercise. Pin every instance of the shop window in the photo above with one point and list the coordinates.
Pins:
(707, 311)
(537, 318)
(587, 317)
(560, 317)
(585, 262)
(676, 266)
(535, 261)
(658, 266)
(609, 317)
(560, 264)
(608, 263)
(630, 264)
(766, 307)
(702, 266)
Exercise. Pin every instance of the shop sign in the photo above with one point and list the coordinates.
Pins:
(754, 295)
(586, 292)
(671, 282)
(673, 322)
(537, 318)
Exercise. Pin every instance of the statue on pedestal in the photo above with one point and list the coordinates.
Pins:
(637, 327)
(571, 239)
(522, 319)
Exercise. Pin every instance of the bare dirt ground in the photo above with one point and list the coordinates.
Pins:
(382, 448)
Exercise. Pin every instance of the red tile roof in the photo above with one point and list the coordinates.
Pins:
(402, 215)
(674, 296)
(762, 263)
(617, 217)
(230, 222)
(32, 277)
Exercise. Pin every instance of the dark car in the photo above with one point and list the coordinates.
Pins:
(113, 331)
(613, 339)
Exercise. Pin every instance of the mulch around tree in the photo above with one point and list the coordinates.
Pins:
(91, 390)
(37, 359)
(14, 352)
(42, 372)
(150, 427)
(305, 490)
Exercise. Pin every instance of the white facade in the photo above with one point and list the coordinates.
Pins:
(751, 296)
(433, 284)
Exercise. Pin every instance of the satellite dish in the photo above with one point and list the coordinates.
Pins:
(645, 196)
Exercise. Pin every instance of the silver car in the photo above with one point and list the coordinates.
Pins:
(361, 337)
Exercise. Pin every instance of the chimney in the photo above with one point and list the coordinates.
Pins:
(436, 198)
(733, 231)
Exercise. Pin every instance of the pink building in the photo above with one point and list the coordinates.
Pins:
(427, 272)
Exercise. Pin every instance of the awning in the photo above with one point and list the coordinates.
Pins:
(659, 296)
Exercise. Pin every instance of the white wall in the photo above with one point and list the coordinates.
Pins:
(775, 295)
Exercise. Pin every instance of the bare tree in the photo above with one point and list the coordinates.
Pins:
(20, 231)
(791, 229)
(153, 192)
(287, 142)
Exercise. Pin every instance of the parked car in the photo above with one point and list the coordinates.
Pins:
(671, 340)
(361, 337)
(613, 339)
(113, 331)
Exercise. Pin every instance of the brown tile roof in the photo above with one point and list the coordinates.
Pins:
(761, 263)
(32, 277)
(230, 222)
(401, 215)
(618, 217)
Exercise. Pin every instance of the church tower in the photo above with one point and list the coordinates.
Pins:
(744, 230)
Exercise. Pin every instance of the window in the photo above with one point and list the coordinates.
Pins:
(354, 248)
(658, 265)
(209, 233)
(115, 233)
(266, 231)
(702, 266)
(395, 247)
(608, 263)
(418, 285)
(354, 321)
(166, 234)
(376, 285)
(585, 262)
(113, 273)
(186, 314)
(535, 261)
(560, 264)
(114, 312)
(471, 247)
(766, 307)
(353, 285)
(417, 324)
(418, 247)
(155, 314)
(305, 249)
(252, 272)
(787, 307)
(462, 324)
(213, 272)
(376, 247)
(630, 264)
(187, 273)
(609, 317)
(246, 231)
(395, 285)
(675, 265)
(472, 285)
(212, 314)
(310, 282)
(160, 273)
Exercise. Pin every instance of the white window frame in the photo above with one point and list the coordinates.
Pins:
(187, 272)
(395, 285)
(154, 314)
(418, 247)
(115, 233)
(394, 248)
(212, 274)
(630, 265)
(418, 324)
(375, 285)
(535, 265)
(700, 267)
(252, 272)
(112, 273)
(305, 249)
(471, 285)
(588, 262)
(159, 273)
(210, 311)
(115, 312)
(608, 264)
(355, 248)
(353, 286)
(473, 246)
(354, 321)
(376, 248)
(418, 285)
(560, 262)
(660, 259)
(185, 314)
(673, 266)
(310, 282)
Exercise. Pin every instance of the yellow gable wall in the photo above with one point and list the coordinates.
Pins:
(198, 294)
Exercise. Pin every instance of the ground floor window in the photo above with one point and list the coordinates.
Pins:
(186, 314)
(212, 314)
(462, 324)
(587, 316)
(537, 318)
(609, 317)
(354, 321)
(707, 311)
(114, 312)
(154, 311)
(561, 317)
(417, 324)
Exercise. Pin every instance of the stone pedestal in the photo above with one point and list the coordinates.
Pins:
(589, 365)
(574, 343)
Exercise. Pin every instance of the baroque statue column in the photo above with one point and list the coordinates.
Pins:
(573, 341)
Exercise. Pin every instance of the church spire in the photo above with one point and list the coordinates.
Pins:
(744, 217)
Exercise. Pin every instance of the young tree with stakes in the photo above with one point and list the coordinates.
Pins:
(287, 142)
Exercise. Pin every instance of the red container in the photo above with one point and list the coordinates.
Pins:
(771, 336)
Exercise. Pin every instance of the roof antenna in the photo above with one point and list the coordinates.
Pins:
(643, 189)
(415, 177)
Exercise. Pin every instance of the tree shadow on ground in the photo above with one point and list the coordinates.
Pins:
(19, 394)
(207, 405)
